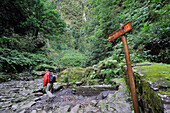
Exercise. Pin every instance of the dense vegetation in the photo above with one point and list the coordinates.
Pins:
(75, 32)
(25, 27)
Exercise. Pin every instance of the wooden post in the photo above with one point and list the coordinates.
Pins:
(130, 75)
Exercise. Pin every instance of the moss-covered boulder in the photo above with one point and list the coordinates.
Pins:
(74, 74)
(152, 81)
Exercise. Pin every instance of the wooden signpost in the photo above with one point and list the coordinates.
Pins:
(125, 28)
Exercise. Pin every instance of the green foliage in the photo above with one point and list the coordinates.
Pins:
(42, 67)
(71, 58)
(148, 40)
(30, 17)
(15, 61)
(65, 79)
(72, 74)
(150, 30)
(110, 69)
(5, 78)
(24, 26)
(17, 42)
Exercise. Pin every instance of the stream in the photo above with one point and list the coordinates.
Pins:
(27, 97)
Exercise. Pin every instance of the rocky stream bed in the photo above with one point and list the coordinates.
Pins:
(27, 97)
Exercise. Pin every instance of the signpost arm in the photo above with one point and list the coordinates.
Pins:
(130, 75)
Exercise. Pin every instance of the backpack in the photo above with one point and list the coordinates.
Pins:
(52, 77)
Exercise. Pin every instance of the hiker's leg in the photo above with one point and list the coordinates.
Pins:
(51, 88)
(49, 85)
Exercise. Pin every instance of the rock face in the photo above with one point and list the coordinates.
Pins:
(25, 97)
(152, 86)
(18, 94)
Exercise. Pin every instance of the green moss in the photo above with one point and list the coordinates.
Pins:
(147, 95)
(74, 74)
(155, 71)
(164, 92)
(159, 74)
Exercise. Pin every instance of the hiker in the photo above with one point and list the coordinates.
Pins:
(30, 70)
(48, 84)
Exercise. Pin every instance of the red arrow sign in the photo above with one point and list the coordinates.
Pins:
(127, 27)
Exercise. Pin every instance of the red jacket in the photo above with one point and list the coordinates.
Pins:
(46, 78)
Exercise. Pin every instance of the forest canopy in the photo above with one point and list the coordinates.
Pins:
(51, 32)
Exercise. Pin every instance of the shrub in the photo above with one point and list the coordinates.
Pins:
(71, 58)
(45, 66)
(110, 68)
(15, 61)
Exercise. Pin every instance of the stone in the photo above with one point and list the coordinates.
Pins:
(79, 83)
(23, 111)
(100, 96)
(63, 109)
(38, 94)
(43, 111)
(37, 99)
(168, 111)
(93, 102)
(120, 107)
(75, 108)
(28, 105)
(110, 97)
(91, 109)
(57, 87)
(15, 106)
(101, 102)
(33, 111)
(105, 94)
(50, 111)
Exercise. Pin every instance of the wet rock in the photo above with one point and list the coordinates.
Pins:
(120, 107)
(159, 84)
(75, 108)
(23, 111)
(63, 109)
(100, 96)
(110, 97)
(57, 87)
(167, 111)
(38, 94)
(47, 107)
(15, 106)
(34, 111)
(50, 112)
(93, 102)
(14, 90)
(79, 83)
(91, 109)
(7, 105)
(102, 102)
(37, 99)
(28, 105)
(42, 111)
(20, 99)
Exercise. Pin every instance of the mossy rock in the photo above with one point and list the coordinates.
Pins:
(158, 74)
(74, 74)
(151, 80)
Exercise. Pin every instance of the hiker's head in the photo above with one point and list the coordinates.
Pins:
(46, 70)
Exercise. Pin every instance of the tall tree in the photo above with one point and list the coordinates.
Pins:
(35, 17)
